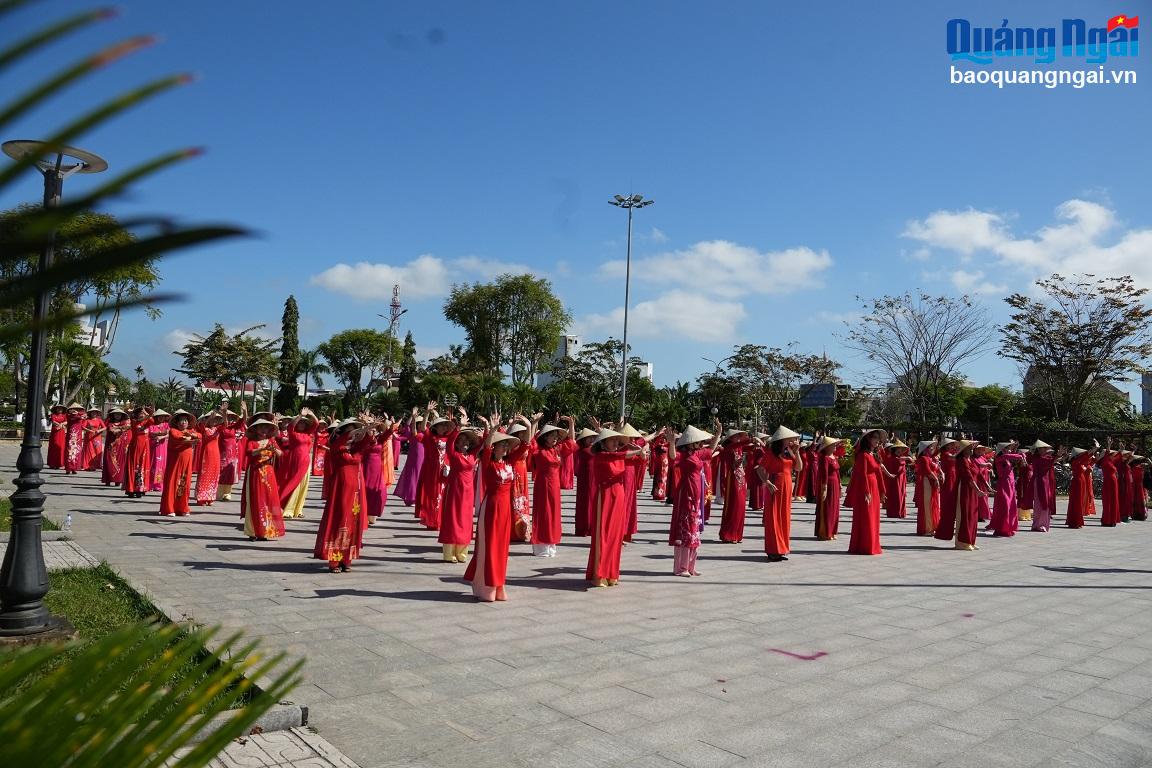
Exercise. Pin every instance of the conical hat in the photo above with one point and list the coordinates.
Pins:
(731, 433)
(897, 443)
(74, 406)
(515, 428)
(181, 412)
(586, 432)
(944, 442)
(692, 435)
(549, 428)
(351, 420)
(1077, 452)
(500, 437)
(266, 415)
(783, 433)
(875, 430)
(924, 445)
(629, 431)
(116, 410)
(761, 435)
(160, 412)
(1002, 445)
(605, 434)
(1039, 444)
(438, 421)
(967, 445)
(828, 441)
(261, 423)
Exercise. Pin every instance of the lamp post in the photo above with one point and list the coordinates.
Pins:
(23, 578)
(988, 421)
(620, 201)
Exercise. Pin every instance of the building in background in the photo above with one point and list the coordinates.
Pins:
(568, 347)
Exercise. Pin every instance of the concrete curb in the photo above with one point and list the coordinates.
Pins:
(282, 717)
(44, 536)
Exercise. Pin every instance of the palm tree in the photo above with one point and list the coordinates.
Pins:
(313, 367)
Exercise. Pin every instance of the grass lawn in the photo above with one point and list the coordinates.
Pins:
(6, 518)
(97, 601)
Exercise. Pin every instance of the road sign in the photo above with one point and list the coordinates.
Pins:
(817, 395)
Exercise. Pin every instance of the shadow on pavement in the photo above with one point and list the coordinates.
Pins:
(1079, 569)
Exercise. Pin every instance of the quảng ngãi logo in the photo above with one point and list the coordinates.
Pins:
(1119, 37)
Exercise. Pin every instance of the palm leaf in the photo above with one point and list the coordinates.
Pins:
(47, 35)
(95, 117)
(112, 702)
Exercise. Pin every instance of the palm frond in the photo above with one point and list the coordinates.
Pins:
(94, 118)
(49, 34)
(113, 702)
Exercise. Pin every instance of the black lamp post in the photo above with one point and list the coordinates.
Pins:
(620, 201)
(988, 421)
(24, 579)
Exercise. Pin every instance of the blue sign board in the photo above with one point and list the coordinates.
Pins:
(818, 395)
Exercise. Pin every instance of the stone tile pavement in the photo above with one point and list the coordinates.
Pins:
(60, 554)
(1033, 651)
(295, 748)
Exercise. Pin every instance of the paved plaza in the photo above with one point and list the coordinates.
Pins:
(1035, 650)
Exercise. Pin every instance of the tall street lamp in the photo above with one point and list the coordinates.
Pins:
(988, 421)
(620, 201)
(23, 578)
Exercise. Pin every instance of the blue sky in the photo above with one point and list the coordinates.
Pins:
(799, 156)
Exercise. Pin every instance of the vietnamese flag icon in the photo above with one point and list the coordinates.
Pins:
(1128, 22)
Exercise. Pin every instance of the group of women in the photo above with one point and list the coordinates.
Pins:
(470, 482)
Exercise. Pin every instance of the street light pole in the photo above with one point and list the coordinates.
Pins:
(23, 578)
(620, 201)
(988, 421)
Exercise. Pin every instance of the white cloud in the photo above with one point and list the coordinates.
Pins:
(973, 283)
(657, 235)
(836, 318)
(962, 231)
(729, 269)
(1083, 240)
(676, 314)
(487, 269)
(424, 277)
(429, 351)
(175, 339)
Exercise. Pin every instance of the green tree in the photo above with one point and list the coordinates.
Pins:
(353, 354)
(513, 323)
(1085, 330)
(409, 369)
(588, 383)
(289, 357)
(229, 360)
(771, 379)
(84, 237)
(313, 369)
(993, 404)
